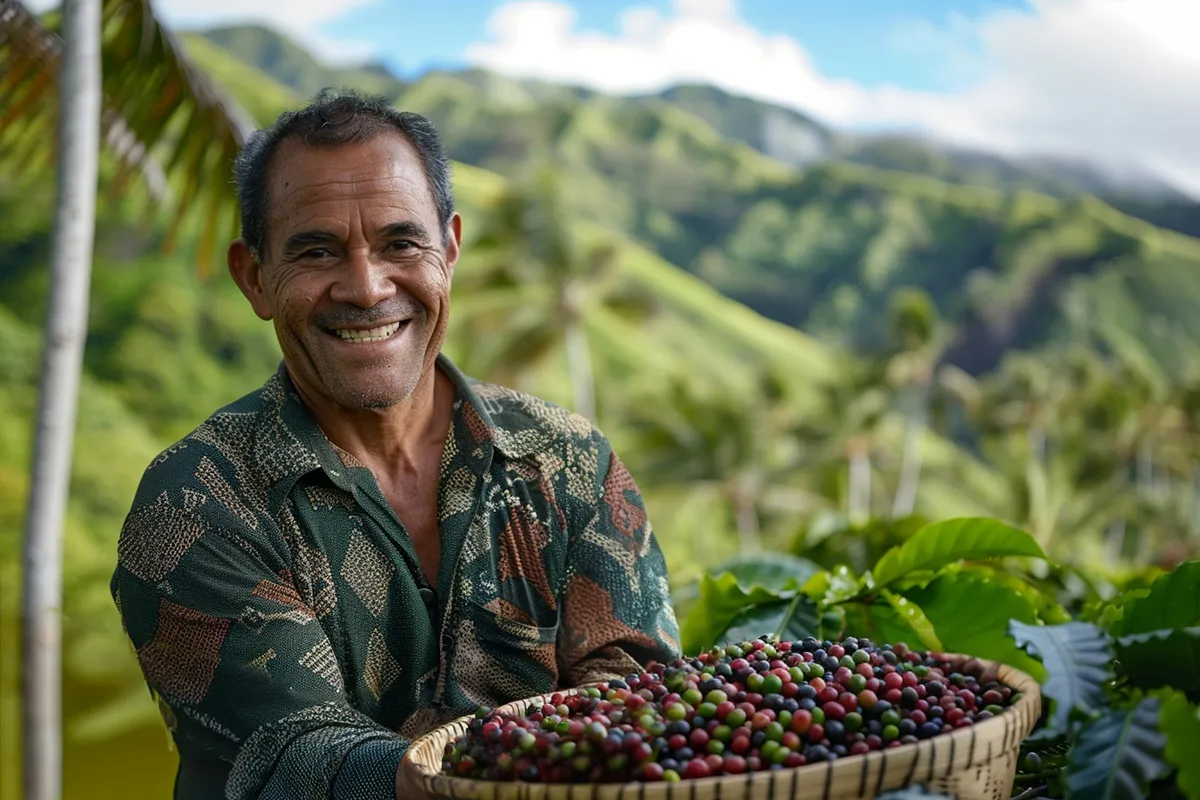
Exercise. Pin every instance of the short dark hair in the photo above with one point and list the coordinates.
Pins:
(335, 118)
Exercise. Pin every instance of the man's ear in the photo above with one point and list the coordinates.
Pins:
(453, 242)
(247, 274)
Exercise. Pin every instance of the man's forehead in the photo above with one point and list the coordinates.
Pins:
(386, 156)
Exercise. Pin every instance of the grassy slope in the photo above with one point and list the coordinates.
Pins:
(260, 94)
(826, 251)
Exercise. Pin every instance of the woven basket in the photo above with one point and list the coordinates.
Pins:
(972, 763)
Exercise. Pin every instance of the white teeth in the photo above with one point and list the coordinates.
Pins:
(372, 335)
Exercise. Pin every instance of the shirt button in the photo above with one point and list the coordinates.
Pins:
(427, 595)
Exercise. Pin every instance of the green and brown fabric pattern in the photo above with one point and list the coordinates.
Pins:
(289, 635)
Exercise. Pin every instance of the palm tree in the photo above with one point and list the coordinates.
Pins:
(113, 65)
(531, 282)
(845, 431)
(913, 368)
(1055, 425)
(66, 326)
(736, 445)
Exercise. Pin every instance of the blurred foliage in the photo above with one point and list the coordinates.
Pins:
(165, 121)
(1004, 354)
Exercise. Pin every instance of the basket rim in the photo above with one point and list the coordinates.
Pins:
(1017, 679)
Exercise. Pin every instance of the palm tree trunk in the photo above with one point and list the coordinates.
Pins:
(579, 367)
(1145, 545)
(1145, 470)
(1194, 523)
(745, 516)
(1115, 541)
(1037, 484)
(859, 500)
(66, 330)
(910, 468)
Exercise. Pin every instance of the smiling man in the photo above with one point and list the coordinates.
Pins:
(371, 543)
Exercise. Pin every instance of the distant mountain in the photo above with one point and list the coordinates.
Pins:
(816, 229)
(799, 140)
(290, 64)
(784, 135)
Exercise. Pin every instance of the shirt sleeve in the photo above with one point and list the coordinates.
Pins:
(241, 667)
(617, 612)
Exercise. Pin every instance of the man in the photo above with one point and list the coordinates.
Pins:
(371, 544)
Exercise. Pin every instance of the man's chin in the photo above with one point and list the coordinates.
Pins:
(370, 398)
(368, 386)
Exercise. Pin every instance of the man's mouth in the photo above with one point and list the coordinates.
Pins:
(360, 336)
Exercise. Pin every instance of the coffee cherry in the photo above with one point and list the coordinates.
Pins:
(742, 707)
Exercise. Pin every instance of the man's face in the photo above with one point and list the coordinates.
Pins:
(356, 272)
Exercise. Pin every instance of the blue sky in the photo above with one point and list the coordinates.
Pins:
(871, 42)
(1112, 82)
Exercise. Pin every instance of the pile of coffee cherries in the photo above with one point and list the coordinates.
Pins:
(756, 705)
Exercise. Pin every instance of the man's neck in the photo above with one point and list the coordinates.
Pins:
(394, 439)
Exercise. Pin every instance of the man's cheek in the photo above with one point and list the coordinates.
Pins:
(436, 275)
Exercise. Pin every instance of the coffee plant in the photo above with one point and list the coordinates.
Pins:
(1120, 674)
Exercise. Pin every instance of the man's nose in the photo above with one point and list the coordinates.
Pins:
(363, 280)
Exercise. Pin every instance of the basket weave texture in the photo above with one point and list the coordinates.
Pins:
(973, 763)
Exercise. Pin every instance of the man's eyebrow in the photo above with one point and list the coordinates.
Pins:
(412, 230)
(298, 242)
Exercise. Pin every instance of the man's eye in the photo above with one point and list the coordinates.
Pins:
(402, 244)
(316, 252)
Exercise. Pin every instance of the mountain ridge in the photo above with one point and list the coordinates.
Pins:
(768, 127)
(819, 241)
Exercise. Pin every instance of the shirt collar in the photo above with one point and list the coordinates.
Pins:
(290, 444)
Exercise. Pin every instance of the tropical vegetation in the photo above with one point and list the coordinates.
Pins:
(809, 348)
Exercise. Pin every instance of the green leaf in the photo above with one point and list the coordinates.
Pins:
(1076, 657)
(842, 585)
(1167, 657)
(880, 622)
(1049, 610)
(1172, 602)
(720, 602)
(970, 615)
(817, 586)
(943, 543)
(1180, 721)
(788, 619)
(1118, 755)
(915, 617)
(775, 571)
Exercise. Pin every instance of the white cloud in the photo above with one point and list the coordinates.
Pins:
(299, 19)
(1110, 80)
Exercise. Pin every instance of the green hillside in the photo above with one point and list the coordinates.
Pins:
(821, 247)
(263, 95)
(294, 67)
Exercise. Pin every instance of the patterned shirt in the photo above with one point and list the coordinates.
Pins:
(287, 632)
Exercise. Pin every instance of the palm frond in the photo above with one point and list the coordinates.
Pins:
(162, 117)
